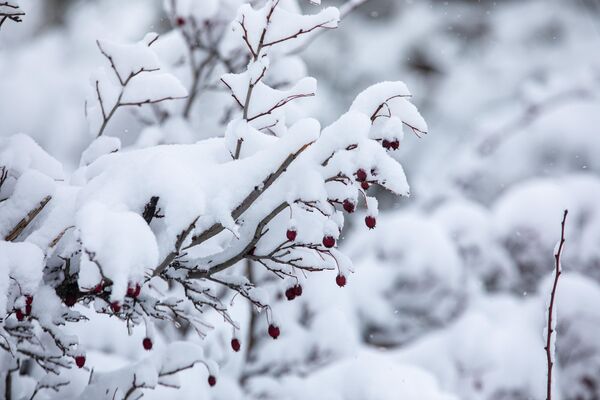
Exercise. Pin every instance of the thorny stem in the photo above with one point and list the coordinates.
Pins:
(549, 328)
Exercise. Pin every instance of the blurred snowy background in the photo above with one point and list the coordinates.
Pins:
(450, 291)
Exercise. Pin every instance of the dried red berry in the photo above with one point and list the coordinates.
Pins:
(395, 144)
(19, 314)
(235, 345)
(70, 300)
(212, 381)
(361, 175)
(364, 185)
(115, 306)
(180, 21)
(290, 294)
(386, 144)
(98, 288)
(28, 300)
(291, 234)
(27, 309)
(80, 361)
(328, 241)
(274, 331)
(340, 280)
(349, 206)
(147, 343)
(134, 291)
(297, 290)
(370, 221)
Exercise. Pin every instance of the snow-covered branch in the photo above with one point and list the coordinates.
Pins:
(153, 236)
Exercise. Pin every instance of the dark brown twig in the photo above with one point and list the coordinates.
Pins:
(549, 328)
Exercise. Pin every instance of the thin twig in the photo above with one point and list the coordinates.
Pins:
(549, 329)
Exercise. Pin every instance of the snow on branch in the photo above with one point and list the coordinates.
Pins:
(153, 236)
(273, 26)
(133, 78)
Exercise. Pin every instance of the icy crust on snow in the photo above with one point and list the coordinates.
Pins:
(22, 262)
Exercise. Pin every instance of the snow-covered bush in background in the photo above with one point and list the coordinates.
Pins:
(180, 233)
(405, 288)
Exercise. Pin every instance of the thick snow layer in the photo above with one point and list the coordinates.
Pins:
(22, 262)
(118, 245)
(20, 152)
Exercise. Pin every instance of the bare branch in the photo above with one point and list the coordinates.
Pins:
(23, 223)
(549, 328)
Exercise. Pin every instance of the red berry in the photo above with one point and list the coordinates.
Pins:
(98, 288)
(115, 306)
(361, 175)
(291, 234)
(80, 361)
(19, 314)
(274, 331)
(70, 300)
(340, 280)
(364, 185)
(180, 21)
(370, 221)
(147, 343)
(395, 144)
(134, 291)
(349, 206)
(290, 294)
(212, 381)
(27, 309)
(328, 241)
(386, 143)
(235, 344)
(297, 290)
(28, 300)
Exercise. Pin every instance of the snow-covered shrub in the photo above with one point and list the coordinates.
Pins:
(471, 228)
(577, 347)
(405, 288)
(524, 220)
(153, 234)
(494, 351)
